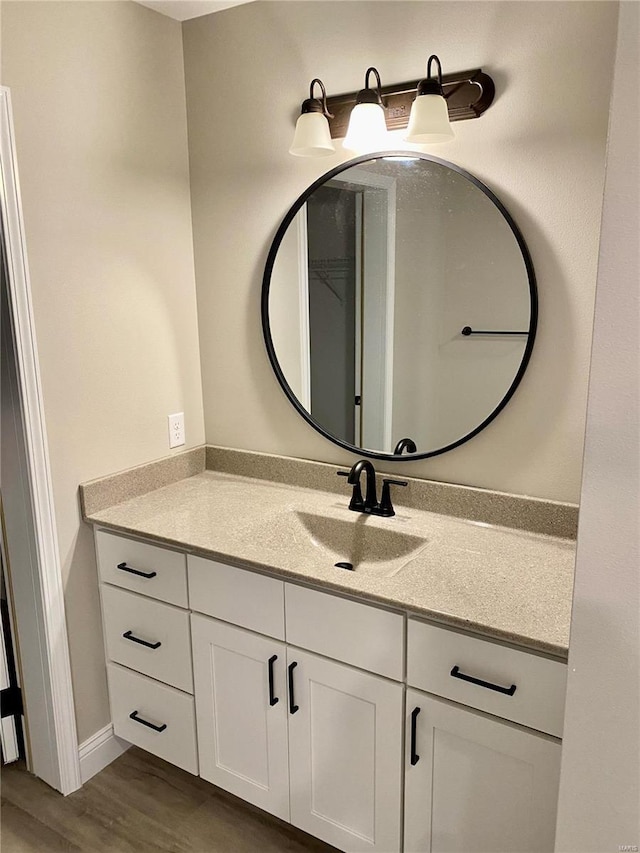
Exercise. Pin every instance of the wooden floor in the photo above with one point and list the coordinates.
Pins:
(139, 804)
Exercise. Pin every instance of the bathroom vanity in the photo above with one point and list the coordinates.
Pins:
(384, 709)
(383, 683)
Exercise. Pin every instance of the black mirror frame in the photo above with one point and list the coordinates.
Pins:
(266, 283)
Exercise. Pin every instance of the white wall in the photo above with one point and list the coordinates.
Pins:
(420, 270)
(99, 110)
(486, 282)
(540, 147)
(599, 806)
(457, 263)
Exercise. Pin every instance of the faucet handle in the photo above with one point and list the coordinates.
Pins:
(357, 501)
(385, 507)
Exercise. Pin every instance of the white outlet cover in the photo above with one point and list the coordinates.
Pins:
(176, 429)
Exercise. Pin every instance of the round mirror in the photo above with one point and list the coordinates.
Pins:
(399, 305)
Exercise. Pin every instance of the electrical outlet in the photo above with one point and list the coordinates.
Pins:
(176, 429)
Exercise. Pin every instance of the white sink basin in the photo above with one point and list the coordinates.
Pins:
(359, 540)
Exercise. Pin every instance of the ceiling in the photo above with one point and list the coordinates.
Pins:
(183, 10)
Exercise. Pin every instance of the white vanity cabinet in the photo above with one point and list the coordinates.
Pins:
(475, 783)
(141, 567)
(146, 636)
(353, 722)
(312, 740)
(345, 753)
(241, 712)
(520, 686)
(153, 716)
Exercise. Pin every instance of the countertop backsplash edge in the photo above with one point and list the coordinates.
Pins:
(535, 515)
(105, 492)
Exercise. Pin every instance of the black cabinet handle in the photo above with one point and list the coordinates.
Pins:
(129, 636)
(292, 705)
(125, 568)
(414, 755)
(508, 691)
(273, 700)
(134, 716)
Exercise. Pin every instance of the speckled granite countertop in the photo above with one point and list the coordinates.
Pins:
(503, 583)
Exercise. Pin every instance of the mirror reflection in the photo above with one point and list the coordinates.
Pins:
(372, 278)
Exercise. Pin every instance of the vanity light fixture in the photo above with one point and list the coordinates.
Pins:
(461, 95)
(312, 137)
(367, 129)
(429, 119)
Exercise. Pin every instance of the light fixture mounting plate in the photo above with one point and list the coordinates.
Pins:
(468, 95)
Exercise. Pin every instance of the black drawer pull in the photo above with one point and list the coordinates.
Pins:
(134, 716)
(414, 755)
(125, 568)
(129, 636)
(508, 691)
(292, 705)
(273, 700)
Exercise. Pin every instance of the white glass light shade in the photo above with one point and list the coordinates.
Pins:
(367, 129)
(429, 120)
(312, 137)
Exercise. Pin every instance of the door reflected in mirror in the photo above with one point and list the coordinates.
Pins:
(372, 278)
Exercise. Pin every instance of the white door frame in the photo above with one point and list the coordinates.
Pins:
(9, 726)
(303, 302)
(362, 178)
(38, 592)
(383, 240)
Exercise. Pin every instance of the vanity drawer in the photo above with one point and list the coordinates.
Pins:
(358, 634)
(160, 625)
(437, 657)
(143, 568)
(239, 596)
(159, 706)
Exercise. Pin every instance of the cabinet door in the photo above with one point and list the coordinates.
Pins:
(345, 753)
(241, 717)
(479, 785)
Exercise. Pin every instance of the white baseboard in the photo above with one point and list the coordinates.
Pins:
(98, 751)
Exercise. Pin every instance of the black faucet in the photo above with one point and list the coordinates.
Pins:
(371, 498)
(370, 503)
(407, 444)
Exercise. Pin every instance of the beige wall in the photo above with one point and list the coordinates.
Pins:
(540, 147)
(599, 807)
(284, 307)
(99, 110)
